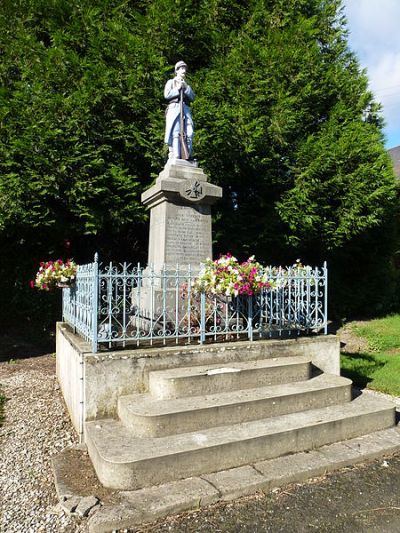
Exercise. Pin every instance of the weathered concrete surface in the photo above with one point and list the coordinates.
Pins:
(152, 503)
(70, 372)
(106, 376)
(212, 379)
(148, 417)
(237, 482)
(146, 505)
(123, 461)
(75, 496)
(180, 216)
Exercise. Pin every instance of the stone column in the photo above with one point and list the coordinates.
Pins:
(180, 216)
(180, 234)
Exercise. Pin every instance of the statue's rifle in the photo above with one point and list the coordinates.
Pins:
(182, 129)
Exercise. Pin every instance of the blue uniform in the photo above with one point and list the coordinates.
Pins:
(172, 125)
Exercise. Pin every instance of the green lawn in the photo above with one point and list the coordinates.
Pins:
(378, 366)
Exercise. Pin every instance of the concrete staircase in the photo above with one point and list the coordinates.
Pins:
(203, 419)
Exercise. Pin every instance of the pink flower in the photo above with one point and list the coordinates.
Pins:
(32, 284)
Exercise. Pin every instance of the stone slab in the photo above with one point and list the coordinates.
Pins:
(237, 482)
(340, 454)
(146, 505)
(149, 417)
(290, 468)
(372, 445)
(85, 505)
(211, 379)
(58, 465)
(123, 461)
(154, 502)
(179, 234)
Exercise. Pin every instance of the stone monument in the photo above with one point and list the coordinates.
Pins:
(180, 201)
(180, 214)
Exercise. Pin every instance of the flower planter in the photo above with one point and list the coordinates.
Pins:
(65, 285)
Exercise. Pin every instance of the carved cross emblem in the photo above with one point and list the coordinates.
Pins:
(195, 190)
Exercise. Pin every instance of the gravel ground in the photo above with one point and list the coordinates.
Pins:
(35, 428)
(361, 499)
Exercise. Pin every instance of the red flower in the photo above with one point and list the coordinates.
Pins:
(32, 284)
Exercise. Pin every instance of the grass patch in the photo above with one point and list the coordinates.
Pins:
(377, 367)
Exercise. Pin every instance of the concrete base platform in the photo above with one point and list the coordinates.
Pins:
(92, 383)
(130, 509)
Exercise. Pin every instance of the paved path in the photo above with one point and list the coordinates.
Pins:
(362, 499)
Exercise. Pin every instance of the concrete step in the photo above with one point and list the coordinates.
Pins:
(209, 379)
(133, 508)
(123, 461)
(147, 417)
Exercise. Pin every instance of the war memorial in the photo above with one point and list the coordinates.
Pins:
(185, 395)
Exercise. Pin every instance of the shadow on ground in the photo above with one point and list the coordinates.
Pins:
(366, 365)
(26, 341)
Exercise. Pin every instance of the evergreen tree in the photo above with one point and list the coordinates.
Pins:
(284, 122)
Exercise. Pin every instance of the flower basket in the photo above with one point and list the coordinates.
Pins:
(55, 274)
(226, 277)
(64, 285)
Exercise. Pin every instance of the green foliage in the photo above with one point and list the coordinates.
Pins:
(379, 367)
(284, 123)
(296, 131)
(289, 129)
(383, 335)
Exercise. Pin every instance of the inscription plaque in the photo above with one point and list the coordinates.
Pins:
(188, 234)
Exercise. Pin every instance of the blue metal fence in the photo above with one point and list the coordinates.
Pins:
(125, 304)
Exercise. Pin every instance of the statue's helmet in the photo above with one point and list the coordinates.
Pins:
(179, 65)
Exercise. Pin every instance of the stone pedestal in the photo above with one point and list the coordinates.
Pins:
(180, 217)
(180, 234)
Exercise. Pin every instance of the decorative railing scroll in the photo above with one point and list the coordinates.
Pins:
(125, 304)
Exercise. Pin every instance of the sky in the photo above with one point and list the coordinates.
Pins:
(375, 39)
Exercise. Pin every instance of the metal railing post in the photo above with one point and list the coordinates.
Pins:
(250, 316)
(95, 296)
(202, 317)
(325, 270)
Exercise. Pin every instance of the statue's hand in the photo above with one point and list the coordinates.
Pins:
(180, 84)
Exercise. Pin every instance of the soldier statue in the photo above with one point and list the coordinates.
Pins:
(179, 123)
